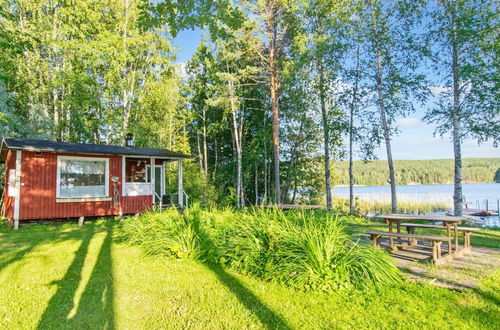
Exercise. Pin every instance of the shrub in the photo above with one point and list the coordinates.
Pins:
(165, 233)
(318, 254)
(306, 250)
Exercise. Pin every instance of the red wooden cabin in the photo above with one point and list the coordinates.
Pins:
(47, 179)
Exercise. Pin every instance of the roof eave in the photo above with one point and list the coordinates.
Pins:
(3, 151)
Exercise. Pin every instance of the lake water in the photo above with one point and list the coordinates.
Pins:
(475, 194)
(442, 193)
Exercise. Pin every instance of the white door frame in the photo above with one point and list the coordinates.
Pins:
(162, 178)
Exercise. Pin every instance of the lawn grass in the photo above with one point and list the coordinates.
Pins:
(63, 276)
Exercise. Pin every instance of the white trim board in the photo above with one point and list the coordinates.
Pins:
(17, 197)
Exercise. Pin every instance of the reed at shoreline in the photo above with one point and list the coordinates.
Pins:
(379, 207)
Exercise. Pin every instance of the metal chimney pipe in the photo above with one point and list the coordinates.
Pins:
(129, 140)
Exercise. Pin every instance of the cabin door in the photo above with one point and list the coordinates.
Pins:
(159, 182)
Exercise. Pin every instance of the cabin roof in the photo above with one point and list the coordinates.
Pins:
(83, 148)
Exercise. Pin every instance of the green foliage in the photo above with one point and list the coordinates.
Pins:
(304, 250)
(436, 171)
(468, 31)
(317, 254)
(166, 233)
(87, 72)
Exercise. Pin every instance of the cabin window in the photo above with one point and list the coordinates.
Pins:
(82, 177)
(137, 170)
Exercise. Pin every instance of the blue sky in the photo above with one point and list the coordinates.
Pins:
(416, 140)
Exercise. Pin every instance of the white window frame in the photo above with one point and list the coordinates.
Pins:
(134, 188)
(91, 159)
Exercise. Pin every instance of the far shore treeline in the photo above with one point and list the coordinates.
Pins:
(428, 171)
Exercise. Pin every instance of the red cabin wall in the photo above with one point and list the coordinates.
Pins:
(38, 192)
(10, 163)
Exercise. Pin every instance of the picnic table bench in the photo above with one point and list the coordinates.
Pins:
(410, 228)
(436, 241)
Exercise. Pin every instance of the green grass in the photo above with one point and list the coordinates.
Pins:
(63, 276)
(309, 251)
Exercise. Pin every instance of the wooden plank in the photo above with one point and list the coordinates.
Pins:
(403, 235)
(286, 207)
(414, 225)
(411, 217)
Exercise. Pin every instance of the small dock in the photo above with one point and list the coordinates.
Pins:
(287, 207)
(476, 213)
(479, 212)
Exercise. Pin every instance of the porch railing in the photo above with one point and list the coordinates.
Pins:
(173, 199)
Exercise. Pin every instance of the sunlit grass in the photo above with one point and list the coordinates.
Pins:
(63, 276)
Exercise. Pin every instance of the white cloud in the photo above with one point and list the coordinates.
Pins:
(409, 122)
(437, 90)
(181, 70)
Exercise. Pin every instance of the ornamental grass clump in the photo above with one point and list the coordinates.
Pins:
(163, 233)
(306, 250)
(312, 253)
(246, 243)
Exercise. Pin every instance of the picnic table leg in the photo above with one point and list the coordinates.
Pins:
(398, 226)
(434, 251)
(455, 228)
(448, 229)
(391, 243)
(466, 239)
(411, 241)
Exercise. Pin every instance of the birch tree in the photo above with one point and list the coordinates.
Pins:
(463, 46)
(237, 73)
(390, 66)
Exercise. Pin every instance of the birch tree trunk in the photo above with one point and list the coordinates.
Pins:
(273, 88)
(383, 117)
(351, 165)
(326, 135)
(205, 148)
(200, 156)
(351, 137)
(266, 182)
(237, 145)
(256, 178)
(457, 150)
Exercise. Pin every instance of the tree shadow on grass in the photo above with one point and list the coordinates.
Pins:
(95, 309)
(269, 318)
(96, 303)
(16, 245)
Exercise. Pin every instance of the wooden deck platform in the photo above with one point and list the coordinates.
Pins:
(479, 212)
(287, 207)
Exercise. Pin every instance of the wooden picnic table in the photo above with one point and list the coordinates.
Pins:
(448, 221)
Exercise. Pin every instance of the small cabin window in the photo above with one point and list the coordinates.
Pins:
(137, 170)
(82, 177)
